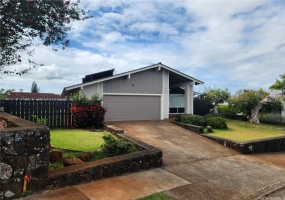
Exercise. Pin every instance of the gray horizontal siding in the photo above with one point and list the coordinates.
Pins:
(126, 108)
(145, 82)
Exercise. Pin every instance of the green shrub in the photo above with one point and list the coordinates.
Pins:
(191, 119)
(272, 119)
(216, 122)
(114, 147)
(212, 115)
(40, 120)
(222, 109)
(178, 118)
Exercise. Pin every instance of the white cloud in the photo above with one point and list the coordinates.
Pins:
(235, 44)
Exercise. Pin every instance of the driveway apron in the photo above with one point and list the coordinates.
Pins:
(212, 170)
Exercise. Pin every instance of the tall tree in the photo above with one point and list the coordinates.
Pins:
(24, 20)
(245, 100)
(4, 93)
(35, 88)
(215, 96)
(251, 102)
(279, 84)
(254, 117)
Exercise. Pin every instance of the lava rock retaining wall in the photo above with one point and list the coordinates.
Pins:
(190, 127)
(24, 150)
(255, 146)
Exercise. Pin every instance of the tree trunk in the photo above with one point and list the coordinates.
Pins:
(216, 110)
(254, 118)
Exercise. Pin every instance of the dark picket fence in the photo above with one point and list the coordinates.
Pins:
(56, 112)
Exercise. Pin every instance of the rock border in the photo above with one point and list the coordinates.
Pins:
(276, 144)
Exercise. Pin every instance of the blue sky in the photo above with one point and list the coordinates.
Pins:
(234, 44)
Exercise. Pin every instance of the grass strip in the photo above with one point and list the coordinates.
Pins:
(244, 131)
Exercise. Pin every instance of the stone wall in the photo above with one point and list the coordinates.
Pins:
(255, 146)
(190, 127)
(24, 150)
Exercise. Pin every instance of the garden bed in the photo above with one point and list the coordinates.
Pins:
(25, 151)
(147, 157)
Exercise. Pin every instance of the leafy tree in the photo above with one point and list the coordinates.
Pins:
(215, 96)
(35, 88)
(24, 20)
(4, 93)
(279, 84)
(246, 101)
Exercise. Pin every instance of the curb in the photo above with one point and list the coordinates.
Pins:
(266, 191)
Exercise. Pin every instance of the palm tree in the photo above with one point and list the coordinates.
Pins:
(279, 84)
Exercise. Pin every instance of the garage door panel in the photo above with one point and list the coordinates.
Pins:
(122, 108)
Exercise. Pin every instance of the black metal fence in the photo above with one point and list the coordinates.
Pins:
(56, 113)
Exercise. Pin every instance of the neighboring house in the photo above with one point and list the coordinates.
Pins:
(148, 93)
(278, 93)
(34, 96)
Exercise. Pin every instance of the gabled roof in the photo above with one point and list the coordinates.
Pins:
(29, 95)
(177, 74)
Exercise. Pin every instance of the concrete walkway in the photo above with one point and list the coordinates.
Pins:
(194, 168)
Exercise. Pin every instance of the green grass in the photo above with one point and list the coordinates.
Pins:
(77, 139)
(244, 131)
(156, 196)
(53, 166)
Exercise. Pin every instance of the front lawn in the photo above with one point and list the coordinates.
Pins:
(244, 131)
(77, 139)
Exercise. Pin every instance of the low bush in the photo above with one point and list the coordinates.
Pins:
(114, 147)
(272, 119)
(216, 122)
(212, 115)
(191, 119)
(213, 120)
(227, 111)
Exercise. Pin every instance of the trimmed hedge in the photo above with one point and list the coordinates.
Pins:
(212, 120)
(191, 119)
(272, 119)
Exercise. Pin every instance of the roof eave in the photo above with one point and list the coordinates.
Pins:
(132, 72)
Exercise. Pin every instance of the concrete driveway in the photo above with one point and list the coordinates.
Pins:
(212, 170)
(194, 168)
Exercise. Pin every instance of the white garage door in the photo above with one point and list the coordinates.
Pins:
(125, 108)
